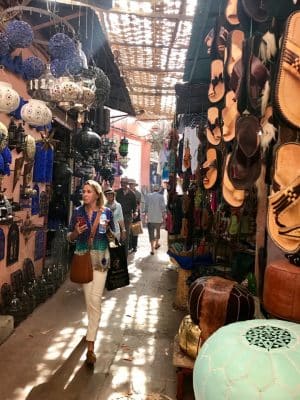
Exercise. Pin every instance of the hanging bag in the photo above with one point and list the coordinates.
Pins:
(117, 275)
(81, 270)
(137, 228)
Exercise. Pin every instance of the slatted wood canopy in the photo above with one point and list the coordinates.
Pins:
(149, 40)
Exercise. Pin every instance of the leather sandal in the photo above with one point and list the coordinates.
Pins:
(283, 217)
(229, 116)
(288, 77)
(210, 168)
(90, 358)
(216, 89)
(213, 130)
(231, 12)
(234, 50)
(216, 40)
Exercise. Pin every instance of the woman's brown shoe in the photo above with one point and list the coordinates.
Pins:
(90, 358)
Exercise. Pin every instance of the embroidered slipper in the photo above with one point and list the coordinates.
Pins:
(234, 197)
(231, 12)
(245, 163)
(283, 219)
(216, 89)
(286, 166)
(213, 130)
(288, 80)
(229, 116)
(233, 50)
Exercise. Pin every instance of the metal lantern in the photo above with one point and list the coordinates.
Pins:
(36, 112)
(9, 98)
(16, 136)
(86, 141)
(41, 88)
(123, 148)
(66, 92)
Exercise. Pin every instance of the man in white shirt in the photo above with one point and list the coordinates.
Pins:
(154, 212)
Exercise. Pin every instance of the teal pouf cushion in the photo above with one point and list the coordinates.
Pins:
(250, 360)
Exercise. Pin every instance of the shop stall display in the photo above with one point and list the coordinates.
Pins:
(43, 157)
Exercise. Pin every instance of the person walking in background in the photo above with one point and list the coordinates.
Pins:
(116, 208)
(155, 209)
(133, 240)
(127, 199)
(80, 227)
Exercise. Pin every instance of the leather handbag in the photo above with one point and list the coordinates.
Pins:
(81, 270)
(137, 228)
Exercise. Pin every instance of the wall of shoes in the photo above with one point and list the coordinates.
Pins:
(234, 166)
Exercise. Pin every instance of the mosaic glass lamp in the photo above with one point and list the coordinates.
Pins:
(123, 148)
(249, 360)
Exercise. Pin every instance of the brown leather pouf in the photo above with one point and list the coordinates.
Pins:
(215, 301)
(281, 296)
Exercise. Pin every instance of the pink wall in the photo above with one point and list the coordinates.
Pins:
(132, 132)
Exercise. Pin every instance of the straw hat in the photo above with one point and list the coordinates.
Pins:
(124, 179)
(109, 190)
(132, 182)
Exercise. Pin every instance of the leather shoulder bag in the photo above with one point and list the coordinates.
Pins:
(81, 270)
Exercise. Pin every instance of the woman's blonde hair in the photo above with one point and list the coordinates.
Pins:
(98, 189)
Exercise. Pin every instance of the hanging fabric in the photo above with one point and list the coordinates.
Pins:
(43, 163)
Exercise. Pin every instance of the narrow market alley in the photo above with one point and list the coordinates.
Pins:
(44, 358)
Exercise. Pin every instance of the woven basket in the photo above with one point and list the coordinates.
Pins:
(182, 291)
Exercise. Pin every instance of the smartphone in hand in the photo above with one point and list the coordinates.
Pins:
(81, 221)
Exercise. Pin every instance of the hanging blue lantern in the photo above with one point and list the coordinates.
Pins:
(74, 65)
(61, 46)
(58, 67)
(4, 45)
(19, 34)
(33, 68)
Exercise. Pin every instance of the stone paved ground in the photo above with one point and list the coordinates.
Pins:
(43, 358)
